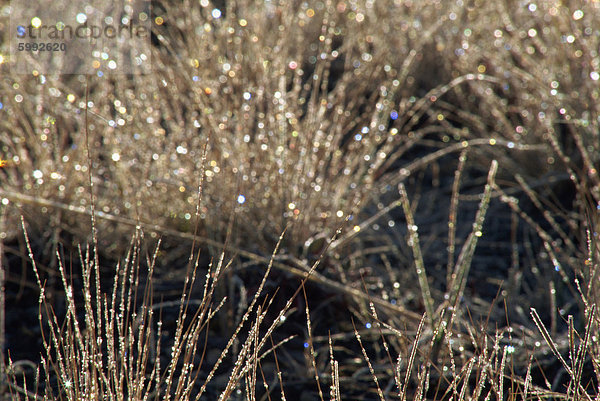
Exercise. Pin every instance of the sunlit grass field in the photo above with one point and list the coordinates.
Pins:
(319, 200)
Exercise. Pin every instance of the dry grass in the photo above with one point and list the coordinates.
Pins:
(397, 200)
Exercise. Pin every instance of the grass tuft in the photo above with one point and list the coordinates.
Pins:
(309, 200)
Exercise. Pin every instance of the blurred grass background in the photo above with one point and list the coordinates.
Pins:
(313, 116)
